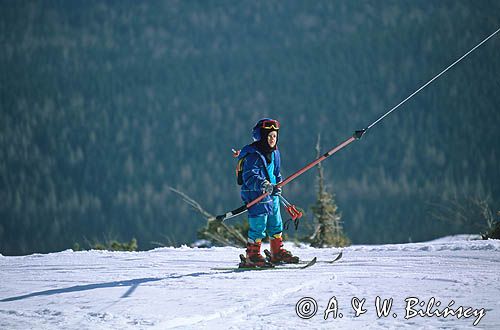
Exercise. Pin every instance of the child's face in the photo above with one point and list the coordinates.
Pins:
(272, 138)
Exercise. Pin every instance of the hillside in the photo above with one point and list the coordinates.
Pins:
(104, 105)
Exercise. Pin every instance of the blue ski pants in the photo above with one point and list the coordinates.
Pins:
(268, 224)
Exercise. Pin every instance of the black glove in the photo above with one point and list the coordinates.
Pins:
(276, 191)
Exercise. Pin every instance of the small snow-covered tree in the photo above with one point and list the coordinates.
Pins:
(328, 231)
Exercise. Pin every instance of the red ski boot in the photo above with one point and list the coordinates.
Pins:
(278, 254)
(253, 258)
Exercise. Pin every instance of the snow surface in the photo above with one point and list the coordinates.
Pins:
(177, 288)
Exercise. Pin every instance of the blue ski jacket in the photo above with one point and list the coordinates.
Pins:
(255, 171)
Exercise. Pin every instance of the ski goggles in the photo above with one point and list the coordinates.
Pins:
(270, 124)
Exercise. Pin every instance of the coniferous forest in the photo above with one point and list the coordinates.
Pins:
(104, 105)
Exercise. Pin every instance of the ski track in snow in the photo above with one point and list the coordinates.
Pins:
(176, 288)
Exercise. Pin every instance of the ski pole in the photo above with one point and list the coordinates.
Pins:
(294, 213)
(291, 209)
(356, 136)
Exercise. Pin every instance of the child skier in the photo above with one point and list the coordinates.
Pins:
(260, 173)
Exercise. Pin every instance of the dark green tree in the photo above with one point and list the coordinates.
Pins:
(113, 245)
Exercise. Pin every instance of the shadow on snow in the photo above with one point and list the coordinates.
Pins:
(133, 284)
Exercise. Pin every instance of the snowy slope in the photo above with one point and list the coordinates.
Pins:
(176, 287)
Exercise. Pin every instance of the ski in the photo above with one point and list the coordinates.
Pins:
(335, 259)
(276, 267)
(268, 256)
(300, 265)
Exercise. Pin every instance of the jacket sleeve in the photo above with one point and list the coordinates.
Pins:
(252, 172)
(277, 166)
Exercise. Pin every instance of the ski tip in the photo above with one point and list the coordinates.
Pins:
(338, 257)
(310, 263)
